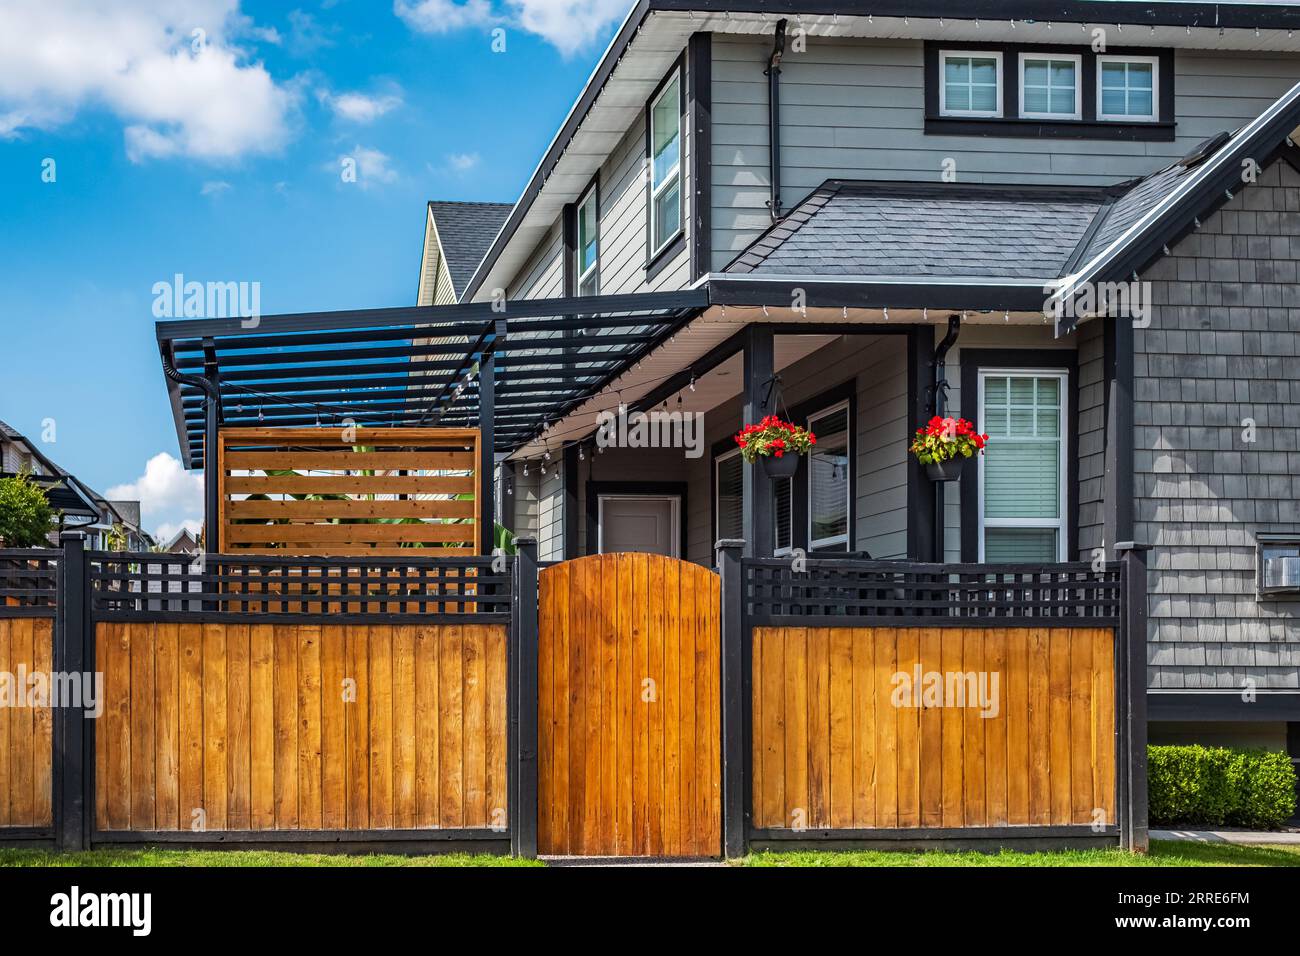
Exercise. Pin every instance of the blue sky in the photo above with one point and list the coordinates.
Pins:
(218, 155)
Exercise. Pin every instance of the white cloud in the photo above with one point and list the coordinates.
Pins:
(568, 25)
(371, 166)
(170, 71)
(360, 107)
(168, 494)
(214, 187)
(463, 162)
(307, 35)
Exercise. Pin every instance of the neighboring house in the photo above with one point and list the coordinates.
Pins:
(879, 208)
(456, 237)
(183, 542)
(78, 506)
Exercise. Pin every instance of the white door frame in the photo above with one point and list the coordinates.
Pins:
(675, 518)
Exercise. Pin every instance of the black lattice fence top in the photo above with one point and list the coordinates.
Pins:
(234, 589)
(848, 593)
(29, 580)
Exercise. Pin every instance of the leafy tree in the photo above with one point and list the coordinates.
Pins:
(25, 513)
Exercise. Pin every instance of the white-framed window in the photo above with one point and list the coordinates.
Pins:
(1022, 474)
(1051, 86)
(970, 83)
(729, 496)
(829, 484)
(587, 255)
(1128, 89)
(782, 516)
(665, 165)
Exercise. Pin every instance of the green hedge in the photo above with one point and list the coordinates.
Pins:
(1213, 786)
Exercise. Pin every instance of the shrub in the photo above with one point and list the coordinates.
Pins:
(25, 513)
(1213, 786)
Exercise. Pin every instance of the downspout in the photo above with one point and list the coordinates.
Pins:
(939, 404)
(773, 74)
(211, 482)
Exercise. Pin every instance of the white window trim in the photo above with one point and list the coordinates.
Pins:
(1155, 89)
(673, 174)
(1077, 60)
(1062, 522)
(588, 197)
(717, 487)
(675, 517)
(943, 85)
(846, 538)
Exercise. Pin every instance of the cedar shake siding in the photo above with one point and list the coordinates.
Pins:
(1222, 348)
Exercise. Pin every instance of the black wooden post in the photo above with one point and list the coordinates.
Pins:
(760, 399)
(211, 472)
(1133, 731)
(735, 749)
(924, 515)
(71, 636)
(523, 710)
(486, 464)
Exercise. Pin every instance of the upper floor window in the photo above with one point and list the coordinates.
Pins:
(972, 84)
(665, 142)
(1127, 88)
(588, 245)
(1050, 87)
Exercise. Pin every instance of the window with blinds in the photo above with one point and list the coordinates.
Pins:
(828, 481)
(1022, 473)
(729, 495)
(783, 514)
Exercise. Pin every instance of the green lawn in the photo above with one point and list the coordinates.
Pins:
(1163, 853)
(155, 857)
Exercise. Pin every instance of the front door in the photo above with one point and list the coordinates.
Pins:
(650, 524)
(629, 746)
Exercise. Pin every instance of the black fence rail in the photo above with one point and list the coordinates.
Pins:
(844, 592)
(29, 580)
(235, 588)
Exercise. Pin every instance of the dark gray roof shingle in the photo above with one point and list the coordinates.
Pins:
(466, 230)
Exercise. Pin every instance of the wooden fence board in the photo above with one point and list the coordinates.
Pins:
(26, 732)
(1039, 751)
(294, 727)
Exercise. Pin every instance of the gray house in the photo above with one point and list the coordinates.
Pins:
(1076, 224)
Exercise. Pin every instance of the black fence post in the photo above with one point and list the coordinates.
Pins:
(523, 710)
(1133, 749)
(71, 634)
(735, 751)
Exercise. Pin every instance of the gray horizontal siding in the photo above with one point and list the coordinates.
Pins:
(855, 109)
(1222, 348)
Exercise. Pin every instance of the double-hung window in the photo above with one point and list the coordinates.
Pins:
(1127, 88)
(665, 165)
(588, 240)
(829, 463)
(1050, 87)
(970, 83)
(1023, 470)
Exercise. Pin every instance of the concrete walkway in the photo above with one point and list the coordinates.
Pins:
(1245, 837)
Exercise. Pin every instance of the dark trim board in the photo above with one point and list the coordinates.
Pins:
(1178, 707)
(972, 360)
(315, 841)
(632, 488)
(699, 110)
(937, 838)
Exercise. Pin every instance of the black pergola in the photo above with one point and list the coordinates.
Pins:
(509, 368)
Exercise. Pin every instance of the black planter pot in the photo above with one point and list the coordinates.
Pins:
(783, 467)
(949, 470)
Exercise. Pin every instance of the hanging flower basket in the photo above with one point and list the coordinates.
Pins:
(777, 444)
(943, 446)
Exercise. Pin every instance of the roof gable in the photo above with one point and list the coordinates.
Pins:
(464, 232)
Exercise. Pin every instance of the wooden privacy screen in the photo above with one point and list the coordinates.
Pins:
(628, 708)
(831, 749)
(363, 491)
(26, 753)
(249, 724)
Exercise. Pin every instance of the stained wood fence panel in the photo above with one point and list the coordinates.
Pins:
(629, 760)
(230, 727)
(832, 750)
(26, 742)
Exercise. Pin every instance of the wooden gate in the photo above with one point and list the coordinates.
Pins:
(628, 708)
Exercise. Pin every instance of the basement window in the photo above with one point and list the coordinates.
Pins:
(1278, 564)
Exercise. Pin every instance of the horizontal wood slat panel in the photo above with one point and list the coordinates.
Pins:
(26, 741)
(301, 727)
(844, 736)
(356, 465)
(629, 710)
